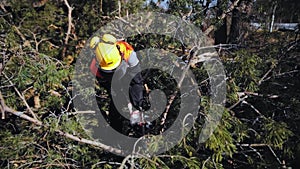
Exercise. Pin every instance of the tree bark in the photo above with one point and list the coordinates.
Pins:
(235, 26)
(221, 34)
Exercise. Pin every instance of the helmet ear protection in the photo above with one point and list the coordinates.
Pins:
(106, 38)
(94, 42)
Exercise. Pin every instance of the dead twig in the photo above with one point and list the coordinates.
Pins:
(19, 33)
(265, 76)
(253, 145)
(238, 102)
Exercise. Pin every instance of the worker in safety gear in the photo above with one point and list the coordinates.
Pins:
(116, 57)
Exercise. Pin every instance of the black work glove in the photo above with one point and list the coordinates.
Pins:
(144, 105)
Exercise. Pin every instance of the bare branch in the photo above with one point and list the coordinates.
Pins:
(101, 5)
(19, 33)
(21, 96)
(86, 141)
(253, 145)
(124, 161)
(119, 7)
(5, 108)
(70, 26)
(274, 154)
(37, 43)
(2, 106)
(106, 162)
(82, 112)
(1, 67)
(238, 102)
(255, 109)
(265, 76)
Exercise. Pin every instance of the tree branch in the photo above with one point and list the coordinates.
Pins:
(172, 98)
(86, 141)
(281, 55)
(5, 108)
(274, 154)
(119, 8)
(21, 96)
(70, 26)
(2, 106)
(19, 33)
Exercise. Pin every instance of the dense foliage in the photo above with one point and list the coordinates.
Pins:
(40, 44)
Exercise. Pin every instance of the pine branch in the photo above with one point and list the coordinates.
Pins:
(280, 56)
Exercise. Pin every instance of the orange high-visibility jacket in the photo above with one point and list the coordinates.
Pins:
(125, 49)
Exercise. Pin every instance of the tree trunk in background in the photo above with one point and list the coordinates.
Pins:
(235, 26)
(100, 7)
(221, 34)
(109, 6)
(273, 17)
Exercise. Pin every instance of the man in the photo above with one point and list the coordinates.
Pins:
(118, 58)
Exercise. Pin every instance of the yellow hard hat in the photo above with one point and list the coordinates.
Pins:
(108, 56)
